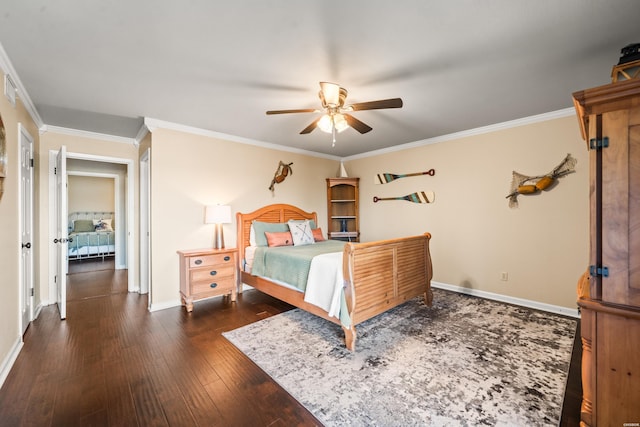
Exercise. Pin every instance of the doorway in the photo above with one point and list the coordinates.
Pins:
(102, 165)
(95, 217)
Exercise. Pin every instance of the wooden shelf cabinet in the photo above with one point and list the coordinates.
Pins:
(342, 209)
(206, 273)
(609, 291)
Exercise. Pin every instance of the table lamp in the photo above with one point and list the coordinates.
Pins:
(218, 215)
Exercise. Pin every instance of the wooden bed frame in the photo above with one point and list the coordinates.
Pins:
(378, 275)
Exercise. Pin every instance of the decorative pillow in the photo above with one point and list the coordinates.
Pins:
(301, 233)
(83, 225)
(282, 238)
(260, 228)
(317, 234)
(102, 224)
(312, 223)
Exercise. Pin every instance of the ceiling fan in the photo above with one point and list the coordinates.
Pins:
(336, 118)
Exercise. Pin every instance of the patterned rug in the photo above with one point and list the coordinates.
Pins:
(466, 361)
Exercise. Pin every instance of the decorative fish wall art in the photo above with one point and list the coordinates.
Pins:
(523, 184)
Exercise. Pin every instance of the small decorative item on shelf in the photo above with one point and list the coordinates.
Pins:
(629, 65)
(418, 197)
(385, 178)
(343, 225)
(523, 184)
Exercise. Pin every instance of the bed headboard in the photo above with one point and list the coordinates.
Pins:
(271, 213)
(88, 215)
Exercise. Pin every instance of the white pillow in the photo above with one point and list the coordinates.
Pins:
(252, 236)
(301, 233)
(102, 224)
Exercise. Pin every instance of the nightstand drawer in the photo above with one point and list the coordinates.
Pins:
(212, 273)
(217, 259)
(213, 285)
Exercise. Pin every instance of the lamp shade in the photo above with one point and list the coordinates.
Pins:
(328, 122)
(217, 214)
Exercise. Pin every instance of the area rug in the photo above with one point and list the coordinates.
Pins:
(465, 361)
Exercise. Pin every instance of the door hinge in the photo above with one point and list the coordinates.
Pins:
(31, 162)
(32, 292)
(55, 170)
(596, 271)
(598, 144)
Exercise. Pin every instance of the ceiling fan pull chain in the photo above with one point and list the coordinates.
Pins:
(333, 131)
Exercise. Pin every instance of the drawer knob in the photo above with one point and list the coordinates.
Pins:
(213, 285)
(227, 258)
(213, 272)
(198, 262)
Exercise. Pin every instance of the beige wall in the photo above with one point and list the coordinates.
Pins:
(10, 226)
(542, 245)
(190, 171)
(90, 193)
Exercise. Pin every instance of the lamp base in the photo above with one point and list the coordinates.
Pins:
(218, 237)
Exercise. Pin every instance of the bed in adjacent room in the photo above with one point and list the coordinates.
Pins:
(343, 282)
(91, 235)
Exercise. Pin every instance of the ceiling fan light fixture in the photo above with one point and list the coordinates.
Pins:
(330, 94)
(325, 123)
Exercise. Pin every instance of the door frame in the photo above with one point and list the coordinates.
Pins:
(145, 224)
(133, 285)
(26, 221)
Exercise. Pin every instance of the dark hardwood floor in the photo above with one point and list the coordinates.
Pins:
(112, 363)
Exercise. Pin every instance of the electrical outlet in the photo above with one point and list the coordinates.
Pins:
(504, 276)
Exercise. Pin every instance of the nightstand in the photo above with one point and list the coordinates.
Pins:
(206, 273)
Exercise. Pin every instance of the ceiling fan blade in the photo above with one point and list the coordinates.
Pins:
(311, 127)
(377, 105)
(357, 124)
(304, 110)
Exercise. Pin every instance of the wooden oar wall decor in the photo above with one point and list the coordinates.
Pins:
(417, 197)
(385, 178)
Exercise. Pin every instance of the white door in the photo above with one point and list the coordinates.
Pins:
(61, 231)
(145, 243)
(26, 227)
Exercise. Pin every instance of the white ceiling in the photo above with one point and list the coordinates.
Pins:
(103, 66)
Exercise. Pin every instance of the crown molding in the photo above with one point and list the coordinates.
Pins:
(7, 68)
(153, 124)
(566, 112)
(142, 132)
(88, 134)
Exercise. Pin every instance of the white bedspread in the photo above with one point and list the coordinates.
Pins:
(325, 283)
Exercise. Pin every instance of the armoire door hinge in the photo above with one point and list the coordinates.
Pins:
(598, 144)
(596, 271)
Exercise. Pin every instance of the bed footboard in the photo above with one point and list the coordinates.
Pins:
(383, 274)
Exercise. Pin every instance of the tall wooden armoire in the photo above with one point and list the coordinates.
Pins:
(609, 292)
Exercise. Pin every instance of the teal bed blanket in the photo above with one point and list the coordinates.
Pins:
(290, 264)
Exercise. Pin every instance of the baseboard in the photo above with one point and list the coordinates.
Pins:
(564, 311)
(37, 311)
(8, 361)
(164, 305)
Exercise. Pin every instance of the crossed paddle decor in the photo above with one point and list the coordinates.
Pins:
(417, 197)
